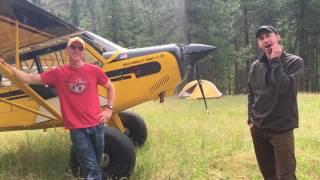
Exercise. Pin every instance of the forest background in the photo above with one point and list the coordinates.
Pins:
(229, 25)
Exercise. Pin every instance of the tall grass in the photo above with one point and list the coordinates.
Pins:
(184, 142)
(34, 154)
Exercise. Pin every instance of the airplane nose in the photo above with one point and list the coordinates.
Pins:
(196, 52)
(192, 54)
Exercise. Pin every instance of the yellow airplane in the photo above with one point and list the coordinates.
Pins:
(34, 40)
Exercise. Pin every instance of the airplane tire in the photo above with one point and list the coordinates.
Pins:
(136, 127)
(121, 155)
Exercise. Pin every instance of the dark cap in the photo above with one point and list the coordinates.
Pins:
(266, 28)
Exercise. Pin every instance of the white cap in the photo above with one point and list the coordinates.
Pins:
(75, 39)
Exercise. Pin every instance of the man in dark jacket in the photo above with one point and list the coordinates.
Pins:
(272, 108)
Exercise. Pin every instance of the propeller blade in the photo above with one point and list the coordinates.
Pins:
(201, 88)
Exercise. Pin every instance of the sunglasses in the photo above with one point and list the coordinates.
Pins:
(73, 47)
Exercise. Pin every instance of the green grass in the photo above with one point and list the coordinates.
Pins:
(33, 154)
(184, 142)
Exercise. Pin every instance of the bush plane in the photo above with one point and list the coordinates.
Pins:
(34, 40)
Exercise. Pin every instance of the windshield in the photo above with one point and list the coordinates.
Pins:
(102, 44)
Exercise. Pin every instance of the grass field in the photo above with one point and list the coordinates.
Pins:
(183, 143)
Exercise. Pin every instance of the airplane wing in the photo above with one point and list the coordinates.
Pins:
(35, 25)
(23, 24)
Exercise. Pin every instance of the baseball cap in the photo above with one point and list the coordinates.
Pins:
(75, 39)
(266, 28)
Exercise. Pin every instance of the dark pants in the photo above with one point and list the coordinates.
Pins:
(275, 154)
(87, 147)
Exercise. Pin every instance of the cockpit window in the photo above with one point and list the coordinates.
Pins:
(50, 54)
(29, 66)
(45, 59)
(59, 58)
(53, 60)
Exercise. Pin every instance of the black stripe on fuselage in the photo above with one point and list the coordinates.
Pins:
(46, 92)
(43, 91)
(125, 77)
(20, 97)
(140, 70)
(174, 49)
(11, 93)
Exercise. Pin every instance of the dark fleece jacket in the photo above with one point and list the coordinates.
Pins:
(272, 98)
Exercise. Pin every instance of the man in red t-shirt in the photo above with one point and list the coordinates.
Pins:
(76, 86)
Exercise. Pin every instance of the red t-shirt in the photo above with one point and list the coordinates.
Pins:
(78, 93)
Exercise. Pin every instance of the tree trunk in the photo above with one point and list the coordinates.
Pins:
(188, 17)
(301, 41)
(115, 20)
(236, 78)
(75, 11)
(182, 20)
(92, 11)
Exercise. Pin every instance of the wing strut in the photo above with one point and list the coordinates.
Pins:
(18, 64)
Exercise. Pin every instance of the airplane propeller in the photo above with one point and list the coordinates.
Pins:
(193, 53)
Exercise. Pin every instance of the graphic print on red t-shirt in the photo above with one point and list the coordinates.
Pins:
(77, 83)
